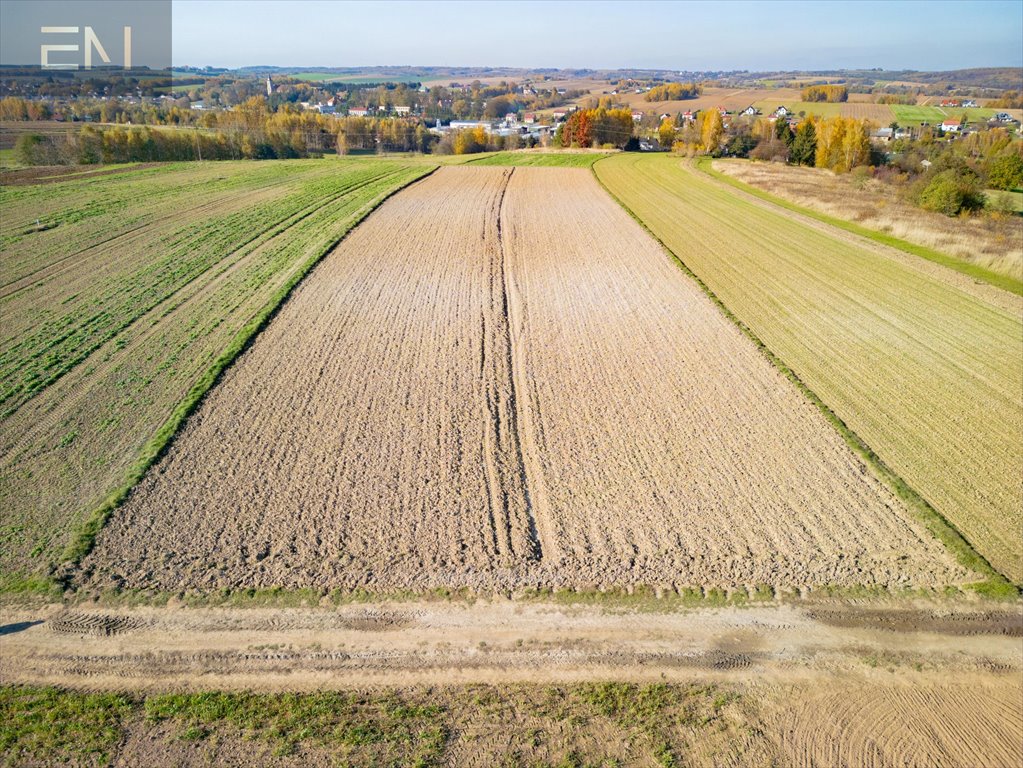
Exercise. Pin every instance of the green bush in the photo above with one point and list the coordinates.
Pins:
(950, 193)
(1006, 172)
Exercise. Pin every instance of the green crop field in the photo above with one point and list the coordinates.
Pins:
(123, 296)
(908, 114)
(824, 109)
(548, 159)
(924, 369)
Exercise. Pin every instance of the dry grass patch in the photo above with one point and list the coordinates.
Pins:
(993, 242)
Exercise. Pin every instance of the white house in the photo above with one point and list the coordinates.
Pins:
(402, 110)
(782, 111)
(750, 110)
(637, 116)
(358, 111)
(951, 125)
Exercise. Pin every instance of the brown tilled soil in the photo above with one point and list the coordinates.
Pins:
(498, 381)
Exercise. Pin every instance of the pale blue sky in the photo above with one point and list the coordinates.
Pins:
(728, 34)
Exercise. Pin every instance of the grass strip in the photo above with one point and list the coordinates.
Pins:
(638, 598)
(84, 539)
(410, 726)
(994, 585)
(1006, 283)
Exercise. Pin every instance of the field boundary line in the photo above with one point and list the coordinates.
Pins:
(995, 583)
(1006, 283)
(83, 540)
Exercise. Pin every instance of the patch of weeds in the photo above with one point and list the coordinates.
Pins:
(50, 726)
(762, 593)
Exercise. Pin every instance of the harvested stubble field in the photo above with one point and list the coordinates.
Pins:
(995, 243)
(879, 113)
(732, 99)
(501, 381)
(119, 295)
(917, 360)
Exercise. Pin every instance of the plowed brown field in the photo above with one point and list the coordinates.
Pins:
(499, 381)
(919, 724)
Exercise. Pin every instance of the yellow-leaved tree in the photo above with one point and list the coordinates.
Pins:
(843, 143)
(712, 130)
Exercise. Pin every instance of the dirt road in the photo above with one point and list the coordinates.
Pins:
(502, 640)
(826, 683)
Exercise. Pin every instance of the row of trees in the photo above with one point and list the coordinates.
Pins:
(674, 92)
(1008, 100)
(381, 134)
(248, 135)
(473, 140)
(595, 128)
(896, 98)
(142, 144)
(831, 93)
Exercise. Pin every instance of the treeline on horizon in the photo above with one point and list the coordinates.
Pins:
(674, 92)
(826, 93)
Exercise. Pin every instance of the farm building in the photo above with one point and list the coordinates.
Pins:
(951, 125)
(459, 125)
